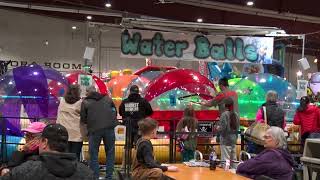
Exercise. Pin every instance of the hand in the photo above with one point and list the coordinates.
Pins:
(172, 168)
(4, 171)
(31, 145)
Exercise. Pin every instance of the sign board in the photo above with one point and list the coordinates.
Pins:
(84, 81)
(302, 88)
(178, 46)
(205, 127)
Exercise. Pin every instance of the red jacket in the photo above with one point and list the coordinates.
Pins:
(309, 120)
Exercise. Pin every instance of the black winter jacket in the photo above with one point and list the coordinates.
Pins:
(98, 112)
(136, 108)
(51, 166)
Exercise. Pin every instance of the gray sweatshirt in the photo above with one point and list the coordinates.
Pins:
(228, 136)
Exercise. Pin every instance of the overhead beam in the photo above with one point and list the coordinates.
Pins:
(249, 10)
(107, 12)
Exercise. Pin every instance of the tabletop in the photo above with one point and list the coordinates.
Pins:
(202, 173)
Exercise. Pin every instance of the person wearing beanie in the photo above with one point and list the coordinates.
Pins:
(136, 108)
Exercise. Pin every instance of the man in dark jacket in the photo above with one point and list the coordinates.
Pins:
(53, 163)
(99, 113)
(136, 108)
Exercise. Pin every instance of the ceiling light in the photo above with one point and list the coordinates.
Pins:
(46, 42)
(89, 17)
(108, 4)
(74, 27)
(250, 3)
(299, 73)
(315, 60)
(199, 20)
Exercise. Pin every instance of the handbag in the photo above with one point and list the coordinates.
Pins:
(257, 130)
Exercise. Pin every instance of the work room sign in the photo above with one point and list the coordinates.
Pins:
(178, 46)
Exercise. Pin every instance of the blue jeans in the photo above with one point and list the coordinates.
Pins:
(108, 137)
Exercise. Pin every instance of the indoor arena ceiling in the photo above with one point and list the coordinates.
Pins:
(293, 16)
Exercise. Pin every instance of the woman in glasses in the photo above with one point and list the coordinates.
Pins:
(274, 162)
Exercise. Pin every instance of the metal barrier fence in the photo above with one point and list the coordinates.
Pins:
(167, 146)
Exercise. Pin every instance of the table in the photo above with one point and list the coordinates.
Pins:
(202, 173)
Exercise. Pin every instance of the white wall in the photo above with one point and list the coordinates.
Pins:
(22, 38)
(292, 66)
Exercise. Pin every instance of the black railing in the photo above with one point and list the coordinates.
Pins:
(171, 135)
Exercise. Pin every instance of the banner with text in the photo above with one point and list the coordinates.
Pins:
(178, 46)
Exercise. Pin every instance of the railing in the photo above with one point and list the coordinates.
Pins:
(9, 144)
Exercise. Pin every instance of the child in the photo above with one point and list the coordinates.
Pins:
(144, 164)
(228, 129)
(188, 124)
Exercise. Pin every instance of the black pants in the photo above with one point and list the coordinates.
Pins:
(75, 147)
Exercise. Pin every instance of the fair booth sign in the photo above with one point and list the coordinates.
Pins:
(179, 46)
(84, 81)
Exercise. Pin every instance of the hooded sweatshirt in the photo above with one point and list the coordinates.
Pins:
(51, 166)
(309, 120)
(98, 112)
(273, 163)
(136, 108)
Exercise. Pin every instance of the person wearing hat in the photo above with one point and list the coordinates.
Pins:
(133, 109)
(53, 163)
(99, 113)
(30, 150)
(136, 108)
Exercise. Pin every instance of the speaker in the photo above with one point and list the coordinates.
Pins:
(88, 53)
(304, 63)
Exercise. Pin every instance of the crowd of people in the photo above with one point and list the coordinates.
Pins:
(53, 151)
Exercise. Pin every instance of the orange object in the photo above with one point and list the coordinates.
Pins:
(118, 85)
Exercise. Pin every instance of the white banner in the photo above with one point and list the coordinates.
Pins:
(178, 46)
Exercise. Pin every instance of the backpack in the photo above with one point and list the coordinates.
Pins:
(275, 115)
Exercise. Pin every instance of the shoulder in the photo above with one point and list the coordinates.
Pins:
(268, 154)
(225, 114)
(79, 102)
(144, 143)
(30, 167)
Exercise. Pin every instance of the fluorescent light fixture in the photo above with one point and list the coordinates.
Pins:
(108, 4)
(250, 3)
(199, 20)
(299, 73)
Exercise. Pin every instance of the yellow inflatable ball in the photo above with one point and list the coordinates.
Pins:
(114, 74)
(127, 72)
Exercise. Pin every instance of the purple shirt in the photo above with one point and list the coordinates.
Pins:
(274, 163)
